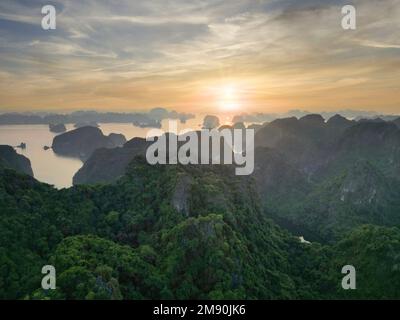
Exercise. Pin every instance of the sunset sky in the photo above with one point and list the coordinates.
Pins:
(200, 56)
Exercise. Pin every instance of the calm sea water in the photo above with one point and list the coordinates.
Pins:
(56, 170)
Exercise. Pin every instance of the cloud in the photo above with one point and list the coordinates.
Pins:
(278, 50)
(381, 45)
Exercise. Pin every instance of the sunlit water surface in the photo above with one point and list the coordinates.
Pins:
(57, 170)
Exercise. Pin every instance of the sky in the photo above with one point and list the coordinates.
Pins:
(238, 56)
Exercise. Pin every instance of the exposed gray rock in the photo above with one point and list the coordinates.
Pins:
(180, 199)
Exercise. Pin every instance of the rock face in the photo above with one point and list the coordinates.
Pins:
(82, 142)
(11, 159)
(363, 185)
(181, 197)
(57, 128)
(107, 165)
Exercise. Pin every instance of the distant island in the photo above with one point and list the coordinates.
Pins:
(80, 143)
(57, 128)
(151, 118)
(260, 117)
(150, 123)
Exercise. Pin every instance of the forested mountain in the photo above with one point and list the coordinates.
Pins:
(397, 122)
(201, 232)
(107, 165)
(159, 232)
(174, 232)
(336, 175)
(315, 178)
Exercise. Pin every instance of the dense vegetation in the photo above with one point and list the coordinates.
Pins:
(175, 232)
(322, 179)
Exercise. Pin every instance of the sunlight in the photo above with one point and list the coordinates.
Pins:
(229, 98)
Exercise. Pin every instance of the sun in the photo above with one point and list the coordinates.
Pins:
(228, 92)
(228, 98)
